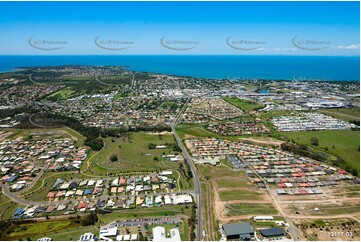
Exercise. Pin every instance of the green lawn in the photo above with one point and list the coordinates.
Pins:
(244, 105)
(251, 209)
(346, 143)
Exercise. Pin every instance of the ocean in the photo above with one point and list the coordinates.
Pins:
(327, 68)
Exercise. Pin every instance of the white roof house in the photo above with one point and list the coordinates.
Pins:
(115, 182)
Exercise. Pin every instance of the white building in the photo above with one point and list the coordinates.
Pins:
(160, 235)
(182, 198)
(107, 232)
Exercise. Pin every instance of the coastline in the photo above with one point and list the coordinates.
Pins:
(320, 68)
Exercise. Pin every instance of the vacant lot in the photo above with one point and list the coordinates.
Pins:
(346, 114)
(133, 154)
(239, 195)
(196, 130)
(251, 209)
(342, 143)
(228, 183)
(244, 105)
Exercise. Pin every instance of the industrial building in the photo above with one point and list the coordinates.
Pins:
(242, 231)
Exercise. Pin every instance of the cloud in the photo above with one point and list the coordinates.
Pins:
(348, 47)
(283, 49)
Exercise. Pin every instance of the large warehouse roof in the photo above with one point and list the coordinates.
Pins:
(237, 229)
(272, 232)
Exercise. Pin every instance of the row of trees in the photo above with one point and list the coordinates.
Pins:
(51, 120)
(192, 223)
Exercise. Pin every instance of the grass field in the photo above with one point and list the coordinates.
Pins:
(7, 207)
(232, 183)
(244, 105)
(144, 212)
(251, 209)
(74, 233)
(5, 203)
(330, 209)
(69, 234)
(346, 114)
(346, 143)
(239, 195)
(196, 130)
(63, 94)
(63, 229)
(41, 188)
(24, 230)
(219, 172)
(133, 154)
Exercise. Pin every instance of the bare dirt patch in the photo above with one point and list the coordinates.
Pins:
(264, 140)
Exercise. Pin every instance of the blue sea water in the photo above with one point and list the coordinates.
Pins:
(328, 68)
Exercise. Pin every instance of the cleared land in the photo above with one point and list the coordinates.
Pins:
(251, 209)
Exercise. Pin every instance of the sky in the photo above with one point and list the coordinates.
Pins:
(191, 28)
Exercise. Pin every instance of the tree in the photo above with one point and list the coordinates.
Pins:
(90, 219)
(156, 158)
(314, 141)
(151, 146)
(95, 144)
(113, 158)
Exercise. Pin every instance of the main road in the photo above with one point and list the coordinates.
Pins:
(197, 182)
